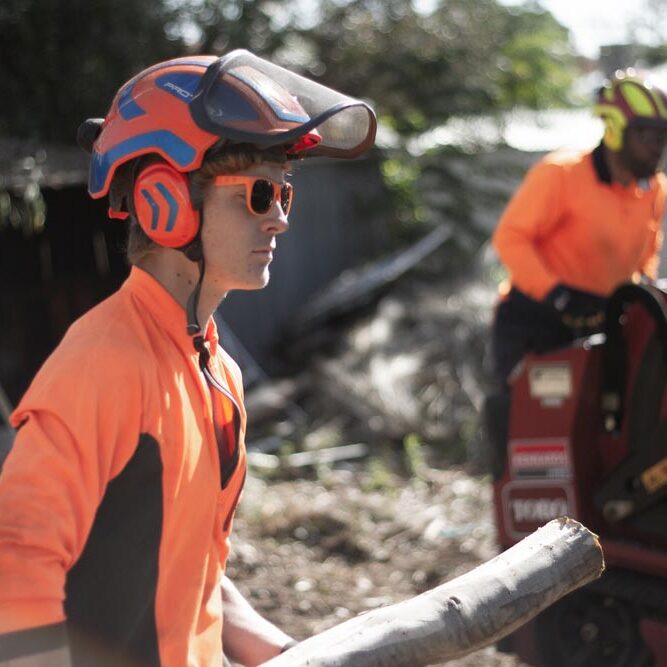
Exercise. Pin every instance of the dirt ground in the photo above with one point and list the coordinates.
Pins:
(310, 553)
(410, 505)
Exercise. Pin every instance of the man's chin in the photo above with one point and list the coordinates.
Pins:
(251, 285)
(646, 171)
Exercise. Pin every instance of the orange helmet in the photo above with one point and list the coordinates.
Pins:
(179, 108)
(629, 99)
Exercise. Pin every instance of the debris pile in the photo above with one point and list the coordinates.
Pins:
(413, 365)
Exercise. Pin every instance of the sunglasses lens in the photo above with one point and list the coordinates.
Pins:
(261, 197)
(285, 198)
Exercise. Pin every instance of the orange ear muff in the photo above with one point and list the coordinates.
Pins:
(163, 208)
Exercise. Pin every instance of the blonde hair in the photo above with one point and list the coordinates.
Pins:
(219, 159)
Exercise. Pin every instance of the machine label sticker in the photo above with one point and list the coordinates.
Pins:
(550, 383)
(655, 477)
(548, 458)
(529, 505)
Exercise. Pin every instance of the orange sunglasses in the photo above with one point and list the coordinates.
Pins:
(260, 192)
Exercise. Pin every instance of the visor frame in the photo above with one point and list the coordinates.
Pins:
(288, 138)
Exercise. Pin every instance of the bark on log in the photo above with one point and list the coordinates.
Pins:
(463, 615)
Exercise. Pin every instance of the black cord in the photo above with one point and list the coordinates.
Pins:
(193, 326)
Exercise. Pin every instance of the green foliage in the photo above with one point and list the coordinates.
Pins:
(262, 26)
(62, 60)
(401, 175)
(414, 455)
(25, 211)
(68, 57)
(379, 477)
(535, 63)
(419, 70)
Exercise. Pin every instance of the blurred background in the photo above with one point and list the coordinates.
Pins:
(468, 94)
(366, 358)
(448, 79)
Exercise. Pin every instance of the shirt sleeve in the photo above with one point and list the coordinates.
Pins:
(78, 425)
(651, 259)
(531, 215)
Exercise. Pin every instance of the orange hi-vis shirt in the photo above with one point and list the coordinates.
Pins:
(568, 223)
(117, 498)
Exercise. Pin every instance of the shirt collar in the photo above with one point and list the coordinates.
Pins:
(166, 311)
(600, 164)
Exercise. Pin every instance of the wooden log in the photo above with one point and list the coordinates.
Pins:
(463, 615)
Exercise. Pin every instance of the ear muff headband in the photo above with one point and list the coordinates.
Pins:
(163, 208)
(615, 123)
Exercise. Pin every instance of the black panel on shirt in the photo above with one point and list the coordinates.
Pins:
(110, 591)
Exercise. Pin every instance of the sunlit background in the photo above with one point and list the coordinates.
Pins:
(370, 345)
(468, 94)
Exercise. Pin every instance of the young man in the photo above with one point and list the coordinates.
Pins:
(117, 499)
(581, 224)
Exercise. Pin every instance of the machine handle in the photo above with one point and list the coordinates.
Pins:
(614, 353)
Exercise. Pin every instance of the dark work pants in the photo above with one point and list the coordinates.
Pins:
(520, 325)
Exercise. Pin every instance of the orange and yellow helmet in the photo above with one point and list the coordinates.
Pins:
(629, 99)
(179, 108)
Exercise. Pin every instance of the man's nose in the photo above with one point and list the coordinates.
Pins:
(276, 221)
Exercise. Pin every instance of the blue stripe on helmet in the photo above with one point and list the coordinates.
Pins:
(127, 106)
(180, 152)
(155, 209)
(171, 202)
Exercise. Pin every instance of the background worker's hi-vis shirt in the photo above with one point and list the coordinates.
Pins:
(568, 223)
(114, 523)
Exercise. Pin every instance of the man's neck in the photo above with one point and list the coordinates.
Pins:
(618, 171)
(179, 276)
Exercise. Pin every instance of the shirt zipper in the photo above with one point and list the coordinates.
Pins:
(227, 467)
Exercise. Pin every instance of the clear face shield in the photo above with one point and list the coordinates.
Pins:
(249, 100)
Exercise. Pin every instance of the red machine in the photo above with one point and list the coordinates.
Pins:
(587, 438)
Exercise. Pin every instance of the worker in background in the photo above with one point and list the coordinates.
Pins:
(580, 224)
(117, 498)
